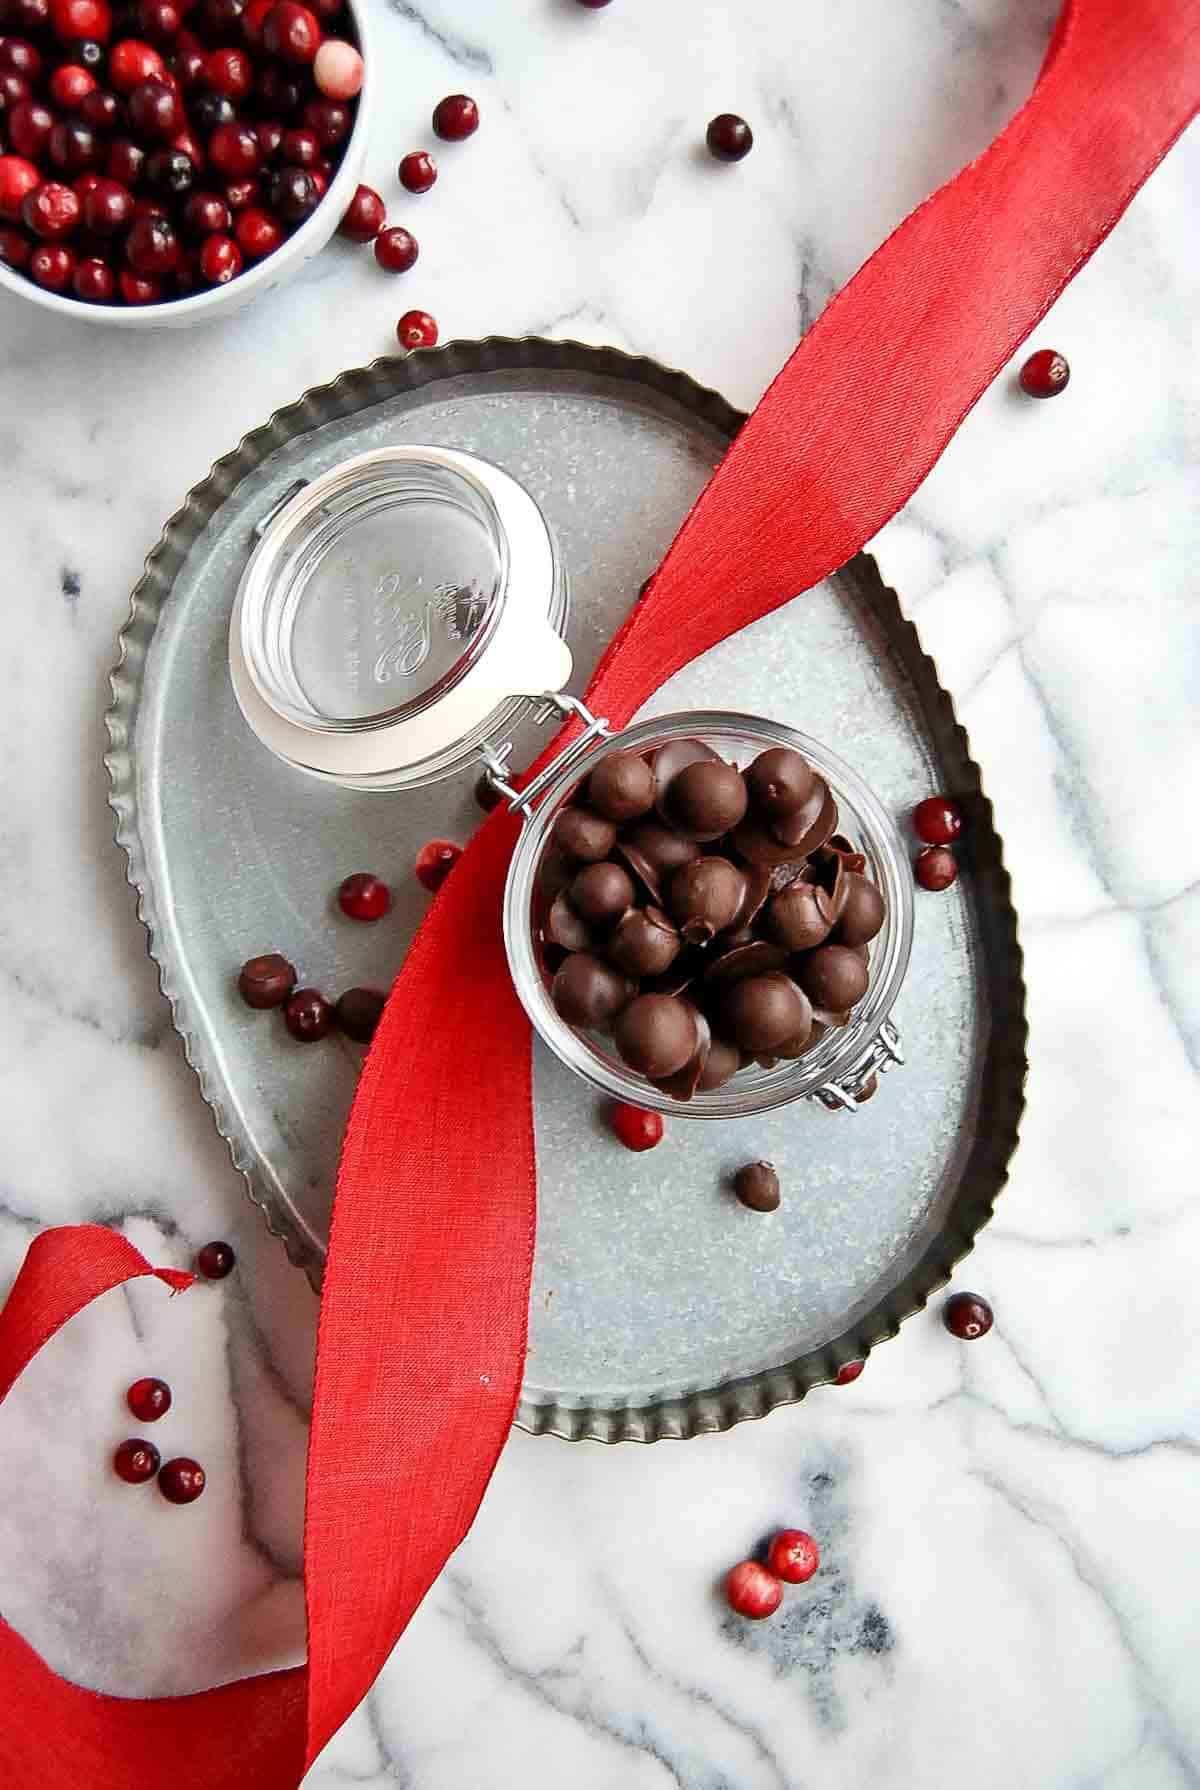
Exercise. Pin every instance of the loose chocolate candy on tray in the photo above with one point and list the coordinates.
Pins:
(757, 1186)
(645, 943)
(621, 787)
(706, 799)
(589, 993)
(763, 1012)
(705, 897)
(657, 1034)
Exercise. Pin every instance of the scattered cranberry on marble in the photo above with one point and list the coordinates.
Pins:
(752, 1590)
(455, 117)
(636, 1128)
(793, 1556)
(396, 250)
(307, 1015)
(364, 896)
(937, 820)
(181, 1481)
(729, 137)
(1044, 374)
(216, 1260)
(435, 860)
(418, 172)
(136, 1461)
(848, 1373)
(149, 1399)
(365, 215)
(968, 1316)
(936, 868)
(416, 329)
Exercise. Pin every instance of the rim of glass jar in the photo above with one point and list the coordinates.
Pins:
(761, 1090)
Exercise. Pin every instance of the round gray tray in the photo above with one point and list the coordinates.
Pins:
(660, 1307)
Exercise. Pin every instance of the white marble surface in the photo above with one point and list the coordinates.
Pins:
(1011, 1576)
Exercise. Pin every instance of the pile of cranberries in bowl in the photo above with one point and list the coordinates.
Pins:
(153, 149)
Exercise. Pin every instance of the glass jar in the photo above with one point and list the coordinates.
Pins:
(839, 1067)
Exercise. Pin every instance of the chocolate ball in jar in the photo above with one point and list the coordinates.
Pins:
(601, 893)
(589, 993)
(705, 800)
(585, 837)
(763, 1013)
(657, 1034)
(621, 788)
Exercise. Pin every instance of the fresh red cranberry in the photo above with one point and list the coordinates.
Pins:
(435, 860)
(15, 248)
(241, 193)
(937, 820)
(753, 1591)
(233, 150)
(291, 32)
(338, 69)
(101, 110)
(1045, 374)
(188, 65)
(634, 1127)
(230, 72)
(220, 260)
(51, 210)
(171, 173)
(936, 868)
(181, 1481)
(150, 208)
(967, 1315)
(396, 250)
(14, 91)
(221, 20)
(186, 143)
(155, 109)
(72, 146)
(136, 1461)
(70, 86)
(418, 172)
(88, 54)
(364, 896)
(206, 214)
(848, 1372)
(365, 215)
(28, 16)
(215, 1261)
(138, 288)
(159, 20)
(87, 183)
(307, 1015)
(793, 1556)
(330, 119)
(729, 137)
(126, 162)
(29, 127)
(81, 18)
(294, 194)
(152, 247)
(456, 117)
(258, 233)
(18, 178)
(211, 110)
(149, 1399)
(277, 91)
(253, 20)
(300, 149)
(18, 57)
(416, 329)
(52, 265)
(95, 281)
(320, 179)
(132, 63)
(270, 137)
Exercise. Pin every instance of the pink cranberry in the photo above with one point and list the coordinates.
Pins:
(138, 288)
(1045, 374)
(338, 69)
(935, 868)
(18, 178)
(155, 109)
(330, 119)
(29, 127)
(136, 1461)
(258, 233)
(793, 1556)
(52, 265)
(220, 260)
(291, 32)
(181, 1481)
(152, 246)
(416, 329)
(149, 1399)
(418, 172)
(215, 1261)
(364, 896)
(729, 137)
(95, 281)
(126, 162)
(300, 148)
(634, 1127)
(101, 110)
(70, 86)
(132, 63)
(435, 860)
(968, 1316)
(81, 18)
(307, 1015)
(51, 210)
(72, 146)
(753, 1591)
(230, 72)
(233, 151)
(17, 57)
(365, 215)
(15, 248)
(937, 820)
(456, 117)
(848, 1372)
(395, 250)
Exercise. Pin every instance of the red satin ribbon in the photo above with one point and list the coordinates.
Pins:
(423, 1316)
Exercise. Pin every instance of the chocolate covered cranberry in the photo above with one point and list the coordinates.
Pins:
(589, 993)
(601, 893)
(765, 1012)
(757, 1186)
(656, 1034)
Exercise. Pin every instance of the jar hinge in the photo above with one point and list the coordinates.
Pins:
(495, 758)
(884, 1053)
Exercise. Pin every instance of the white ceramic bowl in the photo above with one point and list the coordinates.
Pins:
(308, 240)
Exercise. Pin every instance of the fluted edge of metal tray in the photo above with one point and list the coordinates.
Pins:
(1004, 1069)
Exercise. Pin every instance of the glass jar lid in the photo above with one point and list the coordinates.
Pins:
(392, 613)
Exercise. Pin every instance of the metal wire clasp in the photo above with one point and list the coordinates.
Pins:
(495, 759)
(844, 1094)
